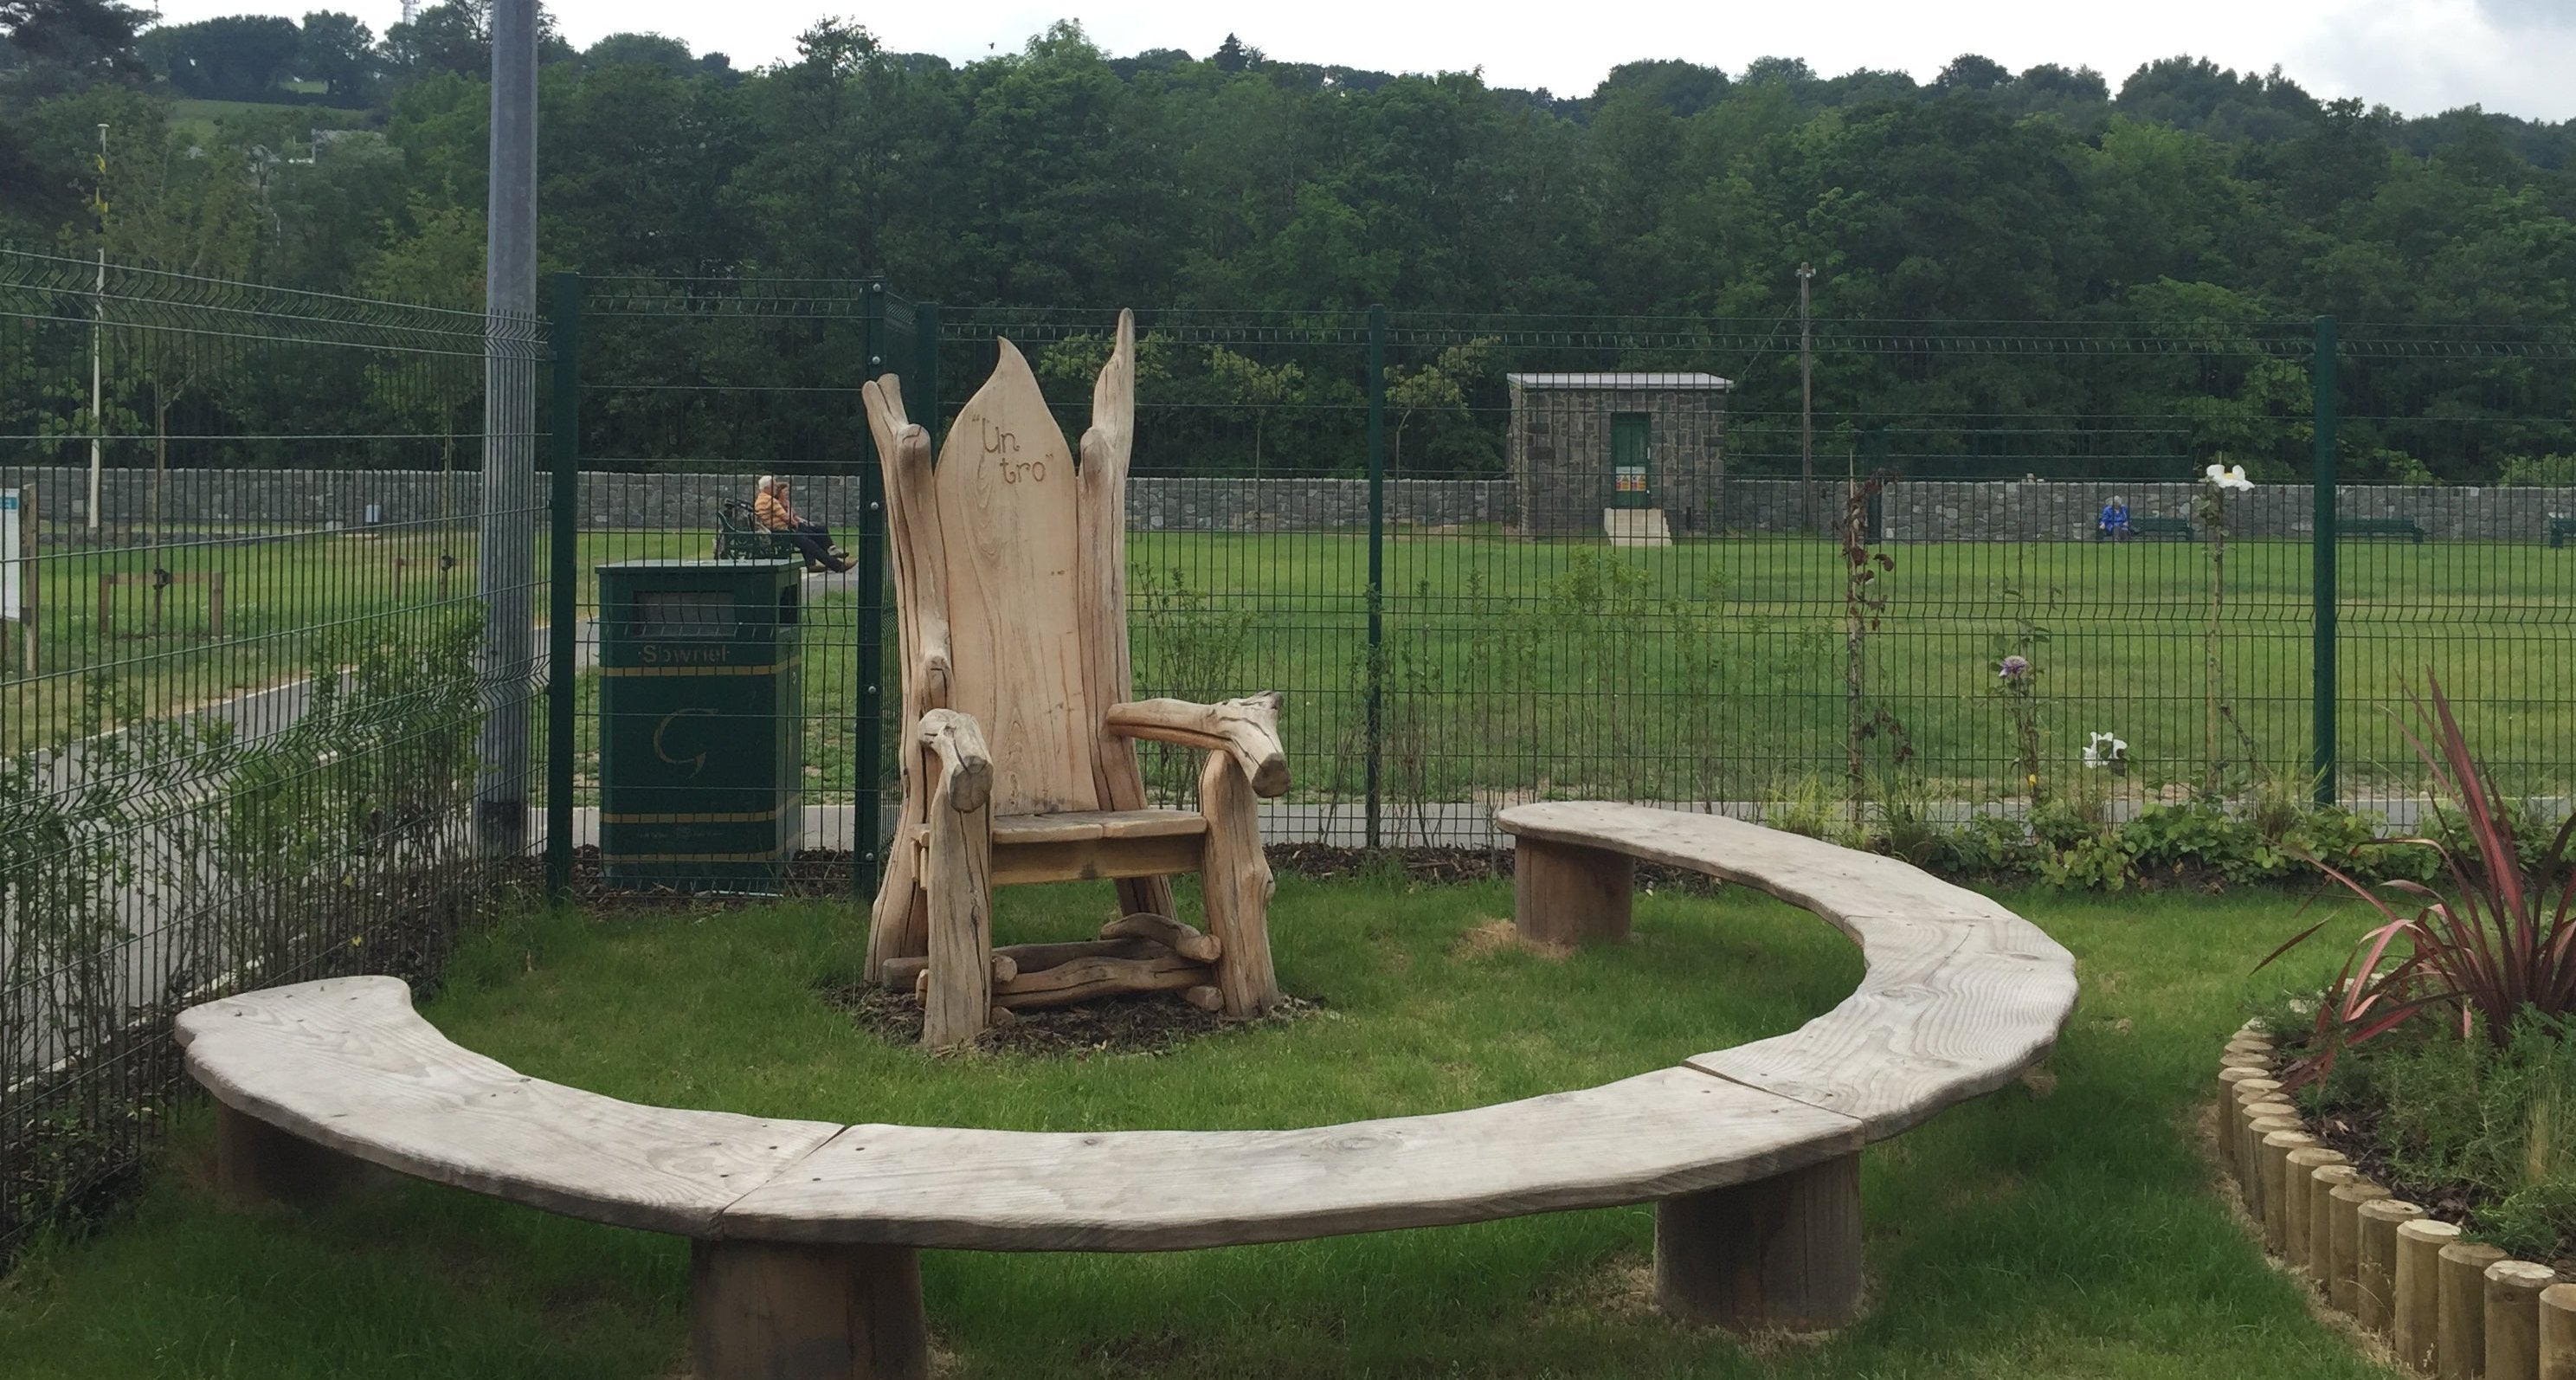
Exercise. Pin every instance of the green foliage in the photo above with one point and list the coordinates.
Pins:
(2553, 471)
(1058, 175)
(1190, 645)
(2495, 1116)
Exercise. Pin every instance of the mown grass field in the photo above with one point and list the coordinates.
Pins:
(1720, 670)
(2065, 1227)
(1711, 670)
(286, 597)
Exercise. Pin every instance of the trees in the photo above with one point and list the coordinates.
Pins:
(232, 58)
(87, 38)
(339, 52)
(1058, 176)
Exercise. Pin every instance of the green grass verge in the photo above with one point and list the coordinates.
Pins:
(1709, 670)
(2074, 1233)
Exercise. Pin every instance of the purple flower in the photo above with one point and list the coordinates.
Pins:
(2012, 668)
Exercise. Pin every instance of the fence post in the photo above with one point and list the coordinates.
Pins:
(864, 820)
(1376, 564)
(563, 606)
(921, 396)
(2323, 593)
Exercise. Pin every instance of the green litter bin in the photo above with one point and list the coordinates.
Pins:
(701, 747)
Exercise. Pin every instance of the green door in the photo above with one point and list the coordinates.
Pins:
(1632, 470)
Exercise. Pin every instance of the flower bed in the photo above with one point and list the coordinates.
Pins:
(2446, 1304)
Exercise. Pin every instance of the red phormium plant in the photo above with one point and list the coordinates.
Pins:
(2498, 942)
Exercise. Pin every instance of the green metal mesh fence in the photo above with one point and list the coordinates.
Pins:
(240, 702)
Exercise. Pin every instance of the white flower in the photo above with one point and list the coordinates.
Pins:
(2228, 477)
(2105, 751)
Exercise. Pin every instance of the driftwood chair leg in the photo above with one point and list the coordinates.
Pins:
(1565, 894)
(958, 878)
(1781, 1253)
(765, 1310)
(1235, 878)
(257, 1163)
(898, 925)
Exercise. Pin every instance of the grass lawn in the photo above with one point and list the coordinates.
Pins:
(2070, 1232)
(1709, 670)
(282, 595)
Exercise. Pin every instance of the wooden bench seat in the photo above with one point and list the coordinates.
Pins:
(1961, 994)
(2154, 527)
(2560, 529)
(806, 1232)
(347, 1064)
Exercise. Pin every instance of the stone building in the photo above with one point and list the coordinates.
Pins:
(1586, 449)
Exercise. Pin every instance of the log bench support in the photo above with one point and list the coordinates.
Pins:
(1566, 894)
(769, 1310)
(1782, 1253)
(257, 1163)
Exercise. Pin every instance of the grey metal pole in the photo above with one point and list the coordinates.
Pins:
(1376, 571)
(2322, 593)
(1806, 400)
(506, 550)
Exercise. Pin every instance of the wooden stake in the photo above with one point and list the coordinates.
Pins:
(2318, 1254)
(2417, 1330)
(2343, 1245)
(2558, 1332)
(2273, 1154)
(2251, 1093)
(2298, 1202)
(2374, 1276)
(2229, 1111)
(1784, 1252)
(2461, 1282)
(2513, 1318)
(764, 1309)
(2261, 1119)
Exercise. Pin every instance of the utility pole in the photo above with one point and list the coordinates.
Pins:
(1806, 398)
(98, 327)
(505, 554)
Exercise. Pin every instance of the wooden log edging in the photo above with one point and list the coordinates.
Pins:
(2450, 1308)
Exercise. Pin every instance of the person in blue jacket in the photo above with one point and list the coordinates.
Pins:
(2114, 523)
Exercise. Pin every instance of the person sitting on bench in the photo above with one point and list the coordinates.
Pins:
(2114, 523)
(772, 510)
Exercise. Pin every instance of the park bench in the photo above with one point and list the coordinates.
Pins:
(805, 1234)
(2155, 527)
(2408, 528)
(740, 537)
(2560, 529)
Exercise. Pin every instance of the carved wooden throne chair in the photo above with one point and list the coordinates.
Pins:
(1018, 759)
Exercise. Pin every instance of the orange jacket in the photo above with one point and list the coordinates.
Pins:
(773, 513)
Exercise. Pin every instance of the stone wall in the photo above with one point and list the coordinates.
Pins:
(1912, 510)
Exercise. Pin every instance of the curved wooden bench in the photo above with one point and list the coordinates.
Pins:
(806, 1232)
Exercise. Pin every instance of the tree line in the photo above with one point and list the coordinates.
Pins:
(2192, 200)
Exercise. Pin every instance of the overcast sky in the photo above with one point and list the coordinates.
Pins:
(2420, 56)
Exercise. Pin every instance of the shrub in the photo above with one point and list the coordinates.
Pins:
(2497, 944)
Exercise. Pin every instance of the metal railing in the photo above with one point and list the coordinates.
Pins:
(1488, 559)
(239, 692)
